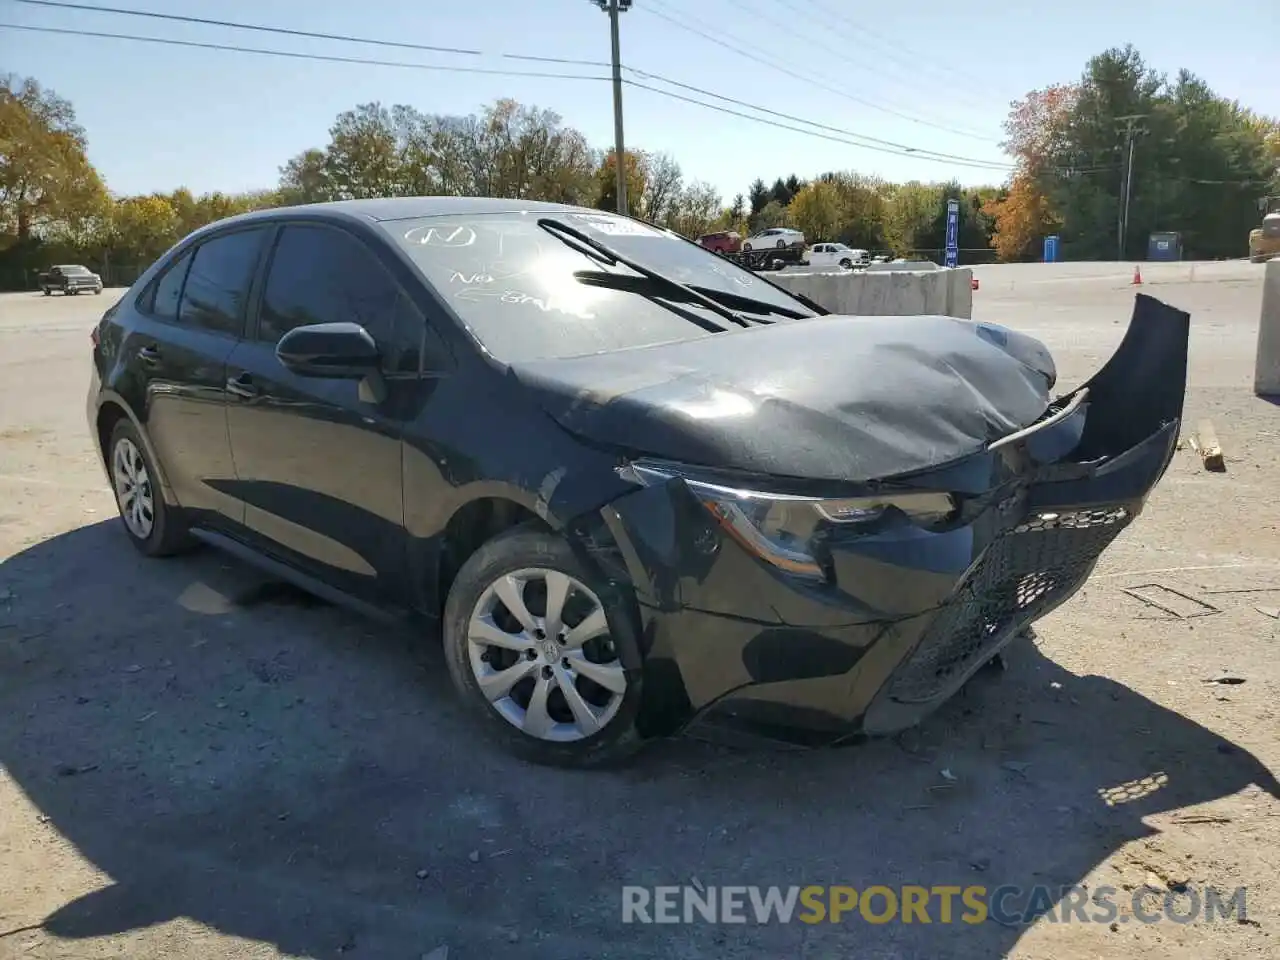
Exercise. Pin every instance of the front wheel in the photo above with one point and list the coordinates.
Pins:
(152, 526)
(537, 653)
(781, 244)
(746, 248)
(847, 263)
(97, 290)
(46, 291)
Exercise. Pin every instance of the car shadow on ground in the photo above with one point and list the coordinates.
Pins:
(290, 773)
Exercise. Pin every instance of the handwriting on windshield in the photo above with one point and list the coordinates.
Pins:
(520, 298)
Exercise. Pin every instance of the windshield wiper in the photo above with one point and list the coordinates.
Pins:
(562, 231)
(644, 286)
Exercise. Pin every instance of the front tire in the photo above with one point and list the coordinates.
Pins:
(536, 648)
(746, 248)
(781, 244)
(847, 263)
(155, 528)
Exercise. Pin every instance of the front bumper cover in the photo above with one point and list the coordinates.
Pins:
(906, 618)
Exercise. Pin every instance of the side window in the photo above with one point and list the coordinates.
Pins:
(325, 275)
(168, 289)
(218, 282)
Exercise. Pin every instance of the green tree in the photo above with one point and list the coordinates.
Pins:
(46, 180)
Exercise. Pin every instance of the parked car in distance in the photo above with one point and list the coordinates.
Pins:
(632, 483)
(725, 241)
(69, 279)
(837, 255)
(779, 237)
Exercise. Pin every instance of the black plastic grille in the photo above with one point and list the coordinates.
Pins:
(1025, 573)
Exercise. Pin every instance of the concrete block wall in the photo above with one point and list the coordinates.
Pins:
(1266, 371)
(896, 293)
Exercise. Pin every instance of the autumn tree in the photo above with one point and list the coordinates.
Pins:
(45, 176)
(817, 210)
(1036, 136)
(607, 184)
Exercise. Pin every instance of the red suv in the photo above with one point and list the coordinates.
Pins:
(726, 241)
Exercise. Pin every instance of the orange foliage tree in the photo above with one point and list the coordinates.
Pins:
(1036, 129)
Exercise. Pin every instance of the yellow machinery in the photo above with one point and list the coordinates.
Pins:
(1264, 241)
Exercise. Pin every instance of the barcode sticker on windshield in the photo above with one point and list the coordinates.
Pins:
(615, 226)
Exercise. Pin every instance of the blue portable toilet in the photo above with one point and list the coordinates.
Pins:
(1051, 249)
(1164, 246)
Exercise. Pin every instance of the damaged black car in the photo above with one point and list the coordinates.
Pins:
(635, 485)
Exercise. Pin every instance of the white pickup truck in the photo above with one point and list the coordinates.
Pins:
(837, 255)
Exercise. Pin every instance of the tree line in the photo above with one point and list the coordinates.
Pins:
(1201, 165)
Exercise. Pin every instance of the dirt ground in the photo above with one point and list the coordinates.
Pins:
(194, 768)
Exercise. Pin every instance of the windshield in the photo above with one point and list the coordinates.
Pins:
(513, 283)
(76, 271)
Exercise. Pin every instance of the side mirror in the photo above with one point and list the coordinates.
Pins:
(342, 350)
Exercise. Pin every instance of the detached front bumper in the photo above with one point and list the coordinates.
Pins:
(906, 616)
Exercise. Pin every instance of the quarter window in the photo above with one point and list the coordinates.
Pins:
(217, 286)
(168, 289)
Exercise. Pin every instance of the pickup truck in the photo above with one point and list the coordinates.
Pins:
(70, 279)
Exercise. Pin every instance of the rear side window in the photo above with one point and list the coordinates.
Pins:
(325, 275)
(217, 286)
(168, 289)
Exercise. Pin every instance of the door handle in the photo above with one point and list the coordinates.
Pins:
(243, 386)
(150, 354)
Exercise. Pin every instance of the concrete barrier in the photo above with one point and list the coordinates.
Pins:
(1266, 370)
(892, 293)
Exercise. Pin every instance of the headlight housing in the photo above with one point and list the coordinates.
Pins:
(784, 529)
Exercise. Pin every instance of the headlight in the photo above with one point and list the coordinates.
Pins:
(782, 528)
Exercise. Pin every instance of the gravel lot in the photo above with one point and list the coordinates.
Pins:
(192, 766)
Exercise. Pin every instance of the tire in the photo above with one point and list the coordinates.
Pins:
(167, 533)
(46, 291)
(781, 244)
(534, 556)
(97, 291)
(847, 263)
(746, 248)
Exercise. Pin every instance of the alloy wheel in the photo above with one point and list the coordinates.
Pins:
(133, 488)
(540, 650)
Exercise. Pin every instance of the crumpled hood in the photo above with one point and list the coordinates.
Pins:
(832, 398)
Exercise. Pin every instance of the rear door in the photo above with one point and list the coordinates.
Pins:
(318, 467)
(187, 323)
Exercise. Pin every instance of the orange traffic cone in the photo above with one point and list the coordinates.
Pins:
(1137, 275)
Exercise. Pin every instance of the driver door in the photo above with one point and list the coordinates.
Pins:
(317, 466)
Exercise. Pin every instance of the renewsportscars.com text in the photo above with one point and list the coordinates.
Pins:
(1009, 905)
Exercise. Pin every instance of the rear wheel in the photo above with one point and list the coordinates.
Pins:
(152, 526)
(537, 653)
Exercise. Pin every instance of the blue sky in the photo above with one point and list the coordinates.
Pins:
(160, 117)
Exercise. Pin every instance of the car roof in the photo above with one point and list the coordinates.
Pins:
(382, 209)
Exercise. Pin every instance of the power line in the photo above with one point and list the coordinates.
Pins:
(870, 104)
(871, 143)
(846, 136)
(309, 34)
(909, 152)
(329, 58)
(915, 61)
(784, 25)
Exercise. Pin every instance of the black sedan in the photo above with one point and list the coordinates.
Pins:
(634, 484)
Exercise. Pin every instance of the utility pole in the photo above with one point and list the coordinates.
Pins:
(614, 8)
(1130, 133)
